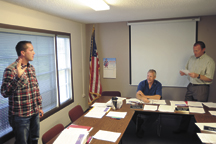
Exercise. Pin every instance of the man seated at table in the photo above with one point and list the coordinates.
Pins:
(147, 89)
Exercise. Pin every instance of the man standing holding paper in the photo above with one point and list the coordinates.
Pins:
(147, 89)
(201, 69)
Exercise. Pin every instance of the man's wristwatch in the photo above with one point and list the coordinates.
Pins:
(198, 76)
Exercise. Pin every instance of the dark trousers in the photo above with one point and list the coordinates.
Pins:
(144, 120)
(194, 93)
(25, 129)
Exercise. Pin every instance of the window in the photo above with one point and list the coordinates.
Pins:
(64, 68)
(52, 62)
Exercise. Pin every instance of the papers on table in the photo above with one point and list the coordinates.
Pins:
(72, 136)
(77, 127)
(107, 135)
(195, 104)
(97, 112)
(133, 101)
(196, 110)
(150, 107)
(119, 102)
(212, 113)
(160, 102)
(207, 138)
(98, 104)
(166, 108)
(210, 104)
(185, 71)
(201, 126)
(117, 114)
(178, 103)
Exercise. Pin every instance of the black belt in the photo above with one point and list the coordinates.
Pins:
(199, 84)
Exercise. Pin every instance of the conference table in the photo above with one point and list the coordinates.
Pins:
(114, 125)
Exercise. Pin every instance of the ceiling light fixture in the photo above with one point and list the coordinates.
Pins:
(97, 5)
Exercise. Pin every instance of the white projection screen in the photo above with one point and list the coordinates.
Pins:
(164, 46)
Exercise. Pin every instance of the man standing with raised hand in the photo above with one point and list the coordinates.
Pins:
(201, 69)
(25, 103)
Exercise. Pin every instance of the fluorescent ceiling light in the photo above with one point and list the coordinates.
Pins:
(97, 5)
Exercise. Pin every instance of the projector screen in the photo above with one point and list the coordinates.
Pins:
(164, 46)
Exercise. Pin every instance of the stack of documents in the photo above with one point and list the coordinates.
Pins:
(196, 110)
(166, 108)
(77, 127)
(150, 107)
(210, 104)
(175, 103)
(195, 104)
(107, 135)
(133, 101)
(207, 138)
(72, 136)
(97, 112)
(212, 113)
(99, 104)
(115, 114)
(160, 102)
(202, 125)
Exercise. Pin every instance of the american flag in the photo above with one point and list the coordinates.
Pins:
(95, 88)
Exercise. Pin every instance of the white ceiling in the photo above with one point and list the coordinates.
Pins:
(121, 10)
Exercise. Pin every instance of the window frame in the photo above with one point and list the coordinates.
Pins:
(59, 105)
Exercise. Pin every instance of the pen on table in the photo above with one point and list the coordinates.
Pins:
(89, 139)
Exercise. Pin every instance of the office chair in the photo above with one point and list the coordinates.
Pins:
(52, 133)
(75, 113)
(111, 93)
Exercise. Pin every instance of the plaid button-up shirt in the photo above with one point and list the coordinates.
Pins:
(23, 93)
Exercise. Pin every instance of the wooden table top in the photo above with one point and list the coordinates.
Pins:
(105, 123)
(108, 124)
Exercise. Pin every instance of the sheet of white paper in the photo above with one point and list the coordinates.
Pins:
(196, 110)
(70, 136)
(117, 114)
(97, 112)
(166, 108)
(159, 102)
(107, 135)
(121, 98)
(212, 113)
(99, 104)
(207, 138)
(150, 107)
(201, 126)
(210, 104)
(195, 104)
(185, 71)
(177, 102)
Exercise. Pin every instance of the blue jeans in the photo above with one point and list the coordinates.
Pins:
(26, 129)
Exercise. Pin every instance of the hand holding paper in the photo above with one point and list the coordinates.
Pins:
(184, 72)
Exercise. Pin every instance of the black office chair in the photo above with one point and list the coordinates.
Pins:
(111, 93)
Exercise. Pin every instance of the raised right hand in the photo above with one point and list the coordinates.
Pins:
(20, 71)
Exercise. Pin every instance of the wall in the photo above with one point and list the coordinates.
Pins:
(19, 16)
(112, 41)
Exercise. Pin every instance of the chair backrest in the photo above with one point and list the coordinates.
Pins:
(52, 133)
(111, 93)
(75, 113)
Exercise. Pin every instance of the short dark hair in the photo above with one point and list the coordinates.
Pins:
(152, 71)
(21, 46)
(202, 44)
